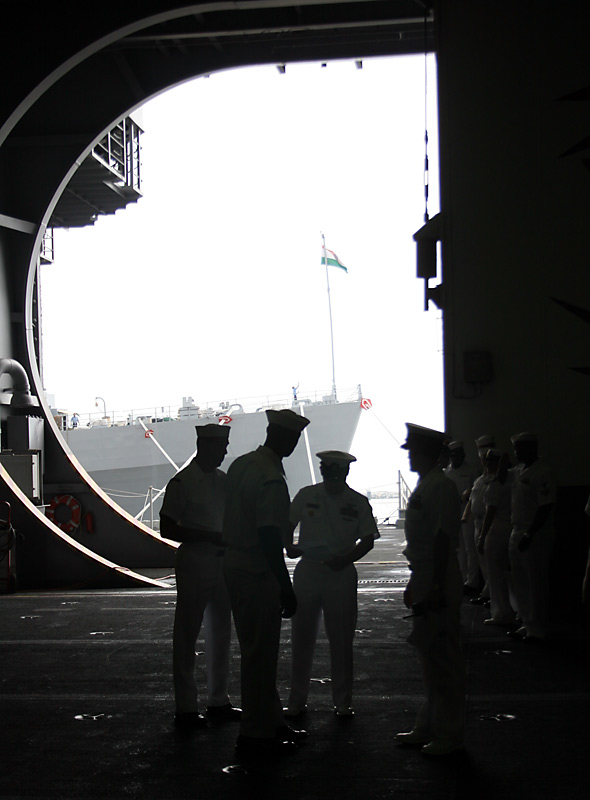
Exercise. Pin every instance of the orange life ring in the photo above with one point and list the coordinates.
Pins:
(67, 518)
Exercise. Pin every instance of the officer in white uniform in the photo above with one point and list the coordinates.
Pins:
(495, 535)
(192, 513)
(336, 528)
(463, 476)
(484, 443)
(476, 511)
(255, 524)
(533, 536)
(434, 593)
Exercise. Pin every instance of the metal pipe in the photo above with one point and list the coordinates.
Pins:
(21, 389)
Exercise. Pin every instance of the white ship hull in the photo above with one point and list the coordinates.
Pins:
(126, 462)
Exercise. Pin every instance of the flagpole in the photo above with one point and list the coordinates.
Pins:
(330, 311)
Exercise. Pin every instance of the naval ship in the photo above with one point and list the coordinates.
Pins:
(132, 456)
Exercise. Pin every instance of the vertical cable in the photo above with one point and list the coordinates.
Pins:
(426, 217)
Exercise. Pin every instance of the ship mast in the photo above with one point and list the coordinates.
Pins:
(325, 257)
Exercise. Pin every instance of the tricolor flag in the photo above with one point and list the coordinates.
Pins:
(330, 258)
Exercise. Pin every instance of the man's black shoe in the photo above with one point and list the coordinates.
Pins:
(226, 713)
(190, 721)
(470, 591)
(517, 634)
(288, 734)
(478, 601)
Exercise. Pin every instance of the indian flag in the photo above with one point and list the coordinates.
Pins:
(330, 258)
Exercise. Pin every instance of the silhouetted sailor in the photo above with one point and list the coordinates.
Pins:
(336, 528)
(192, 513)
(533, 535)
(463, 475)
(255, 524)
(495, 535)
(476, 509)
(434, 594)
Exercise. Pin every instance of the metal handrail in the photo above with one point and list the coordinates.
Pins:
(404, 492)
(120, 151)
(209, 409)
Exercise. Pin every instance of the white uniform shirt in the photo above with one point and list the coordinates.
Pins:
(463, 477)
(532, 487)
(196, 498)
(433, 505)
(498, 495)
(331, 524)
(256, 497)
(477, 499)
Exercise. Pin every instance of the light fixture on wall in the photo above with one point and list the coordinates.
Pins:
(426, 258)
(478, 366)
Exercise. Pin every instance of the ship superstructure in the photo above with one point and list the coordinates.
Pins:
(133, 455)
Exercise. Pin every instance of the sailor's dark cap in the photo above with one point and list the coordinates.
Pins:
(418, 435)
(213, 431)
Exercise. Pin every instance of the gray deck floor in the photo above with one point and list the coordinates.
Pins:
(86, 706)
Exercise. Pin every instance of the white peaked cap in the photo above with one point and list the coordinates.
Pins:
(335, 457)
(494, 453)
(484, 443)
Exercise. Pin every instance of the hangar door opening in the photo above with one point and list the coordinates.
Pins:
(209, 294)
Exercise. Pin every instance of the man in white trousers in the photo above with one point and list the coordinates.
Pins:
(192, 513)
(532, 538)
(255, 524)
(463, 475)
(336, 528)
(434, 593)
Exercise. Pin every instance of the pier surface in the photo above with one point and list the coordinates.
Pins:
(86, 705)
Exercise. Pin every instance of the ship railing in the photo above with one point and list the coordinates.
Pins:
(209, 409)
(404, 493)
(151, 496)
(399, 492)
(149, 499)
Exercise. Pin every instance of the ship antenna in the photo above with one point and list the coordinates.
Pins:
(325, 256)
(426, 166)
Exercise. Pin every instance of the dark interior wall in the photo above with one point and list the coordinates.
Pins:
(515, 220)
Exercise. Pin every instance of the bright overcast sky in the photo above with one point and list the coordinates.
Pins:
(211, 285)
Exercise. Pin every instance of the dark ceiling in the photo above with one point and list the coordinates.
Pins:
(365, 28)
(169, 45)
